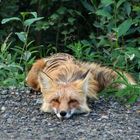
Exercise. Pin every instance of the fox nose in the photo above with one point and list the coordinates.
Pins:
(63, 113)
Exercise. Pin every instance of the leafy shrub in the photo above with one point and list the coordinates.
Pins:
(14, 66)
(9, 69)
(103, 31)
(7, 9)
(127, 95)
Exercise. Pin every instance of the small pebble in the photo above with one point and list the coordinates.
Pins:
(3, 108)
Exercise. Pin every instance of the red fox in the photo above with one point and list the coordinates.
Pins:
(66, 83)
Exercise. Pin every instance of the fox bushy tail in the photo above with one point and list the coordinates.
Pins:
(32, 77)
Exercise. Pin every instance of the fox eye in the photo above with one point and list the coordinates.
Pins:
(55, 100)
(73, 101)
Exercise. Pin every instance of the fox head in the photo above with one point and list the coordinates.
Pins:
(64, 98)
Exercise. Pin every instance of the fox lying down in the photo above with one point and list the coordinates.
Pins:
(66, 83)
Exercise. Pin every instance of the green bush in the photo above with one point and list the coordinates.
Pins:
(15, 60)
(103, 31)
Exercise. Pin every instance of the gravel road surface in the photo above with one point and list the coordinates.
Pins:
(21, 119)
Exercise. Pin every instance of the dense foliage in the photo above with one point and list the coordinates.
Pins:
(103, 31)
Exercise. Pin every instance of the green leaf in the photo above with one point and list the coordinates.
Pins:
(54, 16)
(26, 55)
(71, 20)
(62, 10)
(64, 32)
(24, 14)
(22, 36)
(128, 8)
(29, 43)
(136, 8)
(29, 22)
(119, 3)
(13, 65)
(107, 2)
(104, 13)
(124, 27)
(34, 14)
(10, 19)
(88, 6)
(3, 47)
(132, 99)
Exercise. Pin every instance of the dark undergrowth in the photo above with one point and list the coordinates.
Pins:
(103, 31)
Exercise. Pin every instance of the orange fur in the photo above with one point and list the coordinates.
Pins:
(66, 83)
(32, 78)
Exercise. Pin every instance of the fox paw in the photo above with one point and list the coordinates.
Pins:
(45, 108)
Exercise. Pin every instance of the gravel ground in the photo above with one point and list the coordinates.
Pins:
(21, 119)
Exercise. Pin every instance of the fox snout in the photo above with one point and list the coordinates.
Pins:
(64, 114)
(64, 110)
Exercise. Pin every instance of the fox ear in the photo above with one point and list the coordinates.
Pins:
(85, 82)
(45, 81)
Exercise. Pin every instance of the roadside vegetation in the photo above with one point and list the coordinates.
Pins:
(102, 31)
